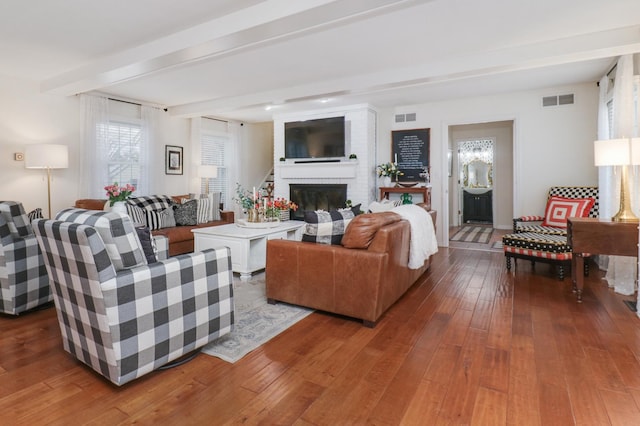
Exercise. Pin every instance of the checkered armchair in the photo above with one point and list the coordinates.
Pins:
(121, 316)
(24, 283)
(534, 223)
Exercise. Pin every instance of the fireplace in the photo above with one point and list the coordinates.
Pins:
(322, 196)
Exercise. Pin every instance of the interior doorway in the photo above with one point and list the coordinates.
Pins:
(481, 170)
(475, 181)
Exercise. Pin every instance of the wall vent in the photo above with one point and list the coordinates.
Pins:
(400, 118)
(411, 116)
(565, 99)
(557, 100)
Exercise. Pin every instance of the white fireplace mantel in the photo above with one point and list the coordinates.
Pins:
(341, 170)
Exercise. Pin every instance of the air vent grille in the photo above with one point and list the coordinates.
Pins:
(557, 100)
(401, 118)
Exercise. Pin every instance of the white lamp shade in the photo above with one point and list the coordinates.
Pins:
(635, 151)
(612, 152)
(46, 156)
(208, 171)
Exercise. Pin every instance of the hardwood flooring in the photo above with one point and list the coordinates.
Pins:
(468, 344)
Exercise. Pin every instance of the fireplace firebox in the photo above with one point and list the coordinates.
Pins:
(320, 196)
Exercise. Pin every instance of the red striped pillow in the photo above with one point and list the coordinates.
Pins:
(560, 208)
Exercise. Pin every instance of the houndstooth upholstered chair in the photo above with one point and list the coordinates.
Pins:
(121, 316)
(24, 283)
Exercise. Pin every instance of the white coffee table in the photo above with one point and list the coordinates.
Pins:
(248, 245)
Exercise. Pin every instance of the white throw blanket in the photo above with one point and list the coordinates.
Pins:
(423, 241)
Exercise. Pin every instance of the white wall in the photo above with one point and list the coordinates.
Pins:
(28, 117)
(552, 146)
(256, 153)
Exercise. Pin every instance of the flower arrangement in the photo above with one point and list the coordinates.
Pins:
(118, 193)
(283, 204)
(389, 169)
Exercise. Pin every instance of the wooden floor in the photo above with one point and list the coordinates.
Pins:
(468, 344)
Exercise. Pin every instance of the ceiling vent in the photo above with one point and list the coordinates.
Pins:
(401, 118)
(557, 100)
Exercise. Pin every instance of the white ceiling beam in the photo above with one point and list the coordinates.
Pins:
(261, 24)
(584, 47)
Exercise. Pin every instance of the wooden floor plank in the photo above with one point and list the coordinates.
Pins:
(469, 343)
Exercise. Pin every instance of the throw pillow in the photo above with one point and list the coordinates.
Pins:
(136, 214)
(203, 210)
(213, 209)
(363, 228)
(118, 234)
(35, 214)
(147, 243)
(160, 219)
(186, 213)
(152, 202)
(326, 227)
(560, 208)
(383, 206)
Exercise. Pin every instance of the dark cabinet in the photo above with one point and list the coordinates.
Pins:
(477, 207)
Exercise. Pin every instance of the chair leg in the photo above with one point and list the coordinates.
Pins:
(561, 272)
(508, 262)
(586, 268)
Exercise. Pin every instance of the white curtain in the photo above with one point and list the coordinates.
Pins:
(621, 271)
(151, 131)
(93, 146)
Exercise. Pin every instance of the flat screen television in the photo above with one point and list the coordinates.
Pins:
(319, 138)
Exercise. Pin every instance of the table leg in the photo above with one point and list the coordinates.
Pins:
(245, 276)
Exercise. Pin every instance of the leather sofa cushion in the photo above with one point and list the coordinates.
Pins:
(363, 228)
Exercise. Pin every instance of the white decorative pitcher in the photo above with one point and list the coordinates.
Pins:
(118, 207)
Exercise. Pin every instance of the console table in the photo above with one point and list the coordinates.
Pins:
(248, 245)
(424, 190)
(588, 236)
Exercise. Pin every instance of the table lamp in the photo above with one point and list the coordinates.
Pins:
(207, 172)
(47, 156)
(620, 152)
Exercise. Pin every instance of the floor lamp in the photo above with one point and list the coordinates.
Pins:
(207, 172)
(624, 153)
(48, 156)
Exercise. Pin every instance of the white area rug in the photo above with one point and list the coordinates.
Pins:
(256, 321)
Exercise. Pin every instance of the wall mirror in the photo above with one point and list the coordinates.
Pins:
(476, 163)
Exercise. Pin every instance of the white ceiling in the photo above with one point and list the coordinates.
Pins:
(249, 59)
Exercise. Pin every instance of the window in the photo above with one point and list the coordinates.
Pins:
(123, 152)
(214, 151)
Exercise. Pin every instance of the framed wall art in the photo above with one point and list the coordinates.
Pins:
(410, 149)
(173, 160)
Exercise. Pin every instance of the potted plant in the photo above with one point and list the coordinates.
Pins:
(282, 159)
(353, 157)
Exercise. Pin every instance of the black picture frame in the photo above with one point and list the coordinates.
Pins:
(173, 160)
(410, 149)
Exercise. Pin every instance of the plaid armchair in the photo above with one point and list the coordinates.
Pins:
(24, 283)
(121, 316)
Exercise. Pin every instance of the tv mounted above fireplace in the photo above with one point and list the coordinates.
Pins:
(322, 139)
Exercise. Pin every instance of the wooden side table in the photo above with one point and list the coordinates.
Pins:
(424, 190)
(588, 236)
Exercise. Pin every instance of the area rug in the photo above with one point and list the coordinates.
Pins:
(497, 245)
(473, 234)
(257, 322)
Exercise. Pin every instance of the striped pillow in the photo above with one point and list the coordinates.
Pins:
(136, 214)
(203, 210)
(160, 219)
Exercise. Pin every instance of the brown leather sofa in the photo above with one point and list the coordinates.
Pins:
(357, 282)
(180, 237)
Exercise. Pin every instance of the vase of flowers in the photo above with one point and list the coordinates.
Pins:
(387, 171)
(117, 197)
(283, 207)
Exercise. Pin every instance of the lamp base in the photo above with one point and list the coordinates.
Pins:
(625, 216)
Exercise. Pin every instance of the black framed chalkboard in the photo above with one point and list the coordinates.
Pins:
(410, 149)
